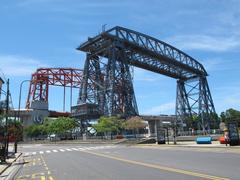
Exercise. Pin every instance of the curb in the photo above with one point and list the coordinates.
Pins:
(72, 142)
(190, 146)
(10, 164)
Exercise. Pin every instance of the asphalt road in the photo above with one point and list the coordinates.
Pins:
(120, 162)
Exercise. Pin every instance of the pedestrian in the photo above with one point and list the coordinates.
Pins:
(226, 137)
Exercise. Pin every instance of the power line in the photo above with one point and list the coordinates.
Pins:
(3, 75)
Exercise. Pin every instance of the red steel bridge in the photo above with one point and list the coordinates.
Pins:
(43, 77)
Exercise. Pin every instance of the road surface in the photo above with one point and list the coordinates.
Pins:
(121, 162)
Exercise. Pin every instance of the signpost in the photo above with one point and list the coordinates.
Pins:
(233, 133)
(2, 148)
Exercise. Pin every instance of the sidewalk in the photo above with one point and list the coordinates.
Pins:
(10, 160)
(192, 144)
(215, 144)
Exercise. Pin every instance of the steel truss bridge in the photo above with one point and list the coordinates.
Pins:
(107, 79)
(44, 77)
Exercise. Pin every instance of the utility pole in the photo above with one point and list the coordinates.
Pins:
(6, 123)
(15, 134)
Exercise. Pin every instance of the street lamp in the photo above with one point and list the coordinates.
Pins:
(19, 106)
(3, 147)
(6, 135)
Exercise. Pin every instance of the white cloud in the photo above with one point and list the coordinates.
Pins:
(167, 108)
(227, 96)
(204, 42)
(219, 64)
(227, 102)
(12, 65)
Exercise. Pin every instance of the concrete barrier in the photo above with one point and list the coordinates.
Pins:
(204, 140)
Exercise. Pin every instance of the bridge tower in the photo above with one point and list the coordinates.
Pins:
(109, 85)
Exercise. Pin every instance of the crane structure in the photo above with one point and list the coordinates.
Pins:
(107, 79)
(43, 77)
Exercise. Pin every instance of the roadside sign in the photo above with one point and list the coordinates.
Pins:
(233, 133)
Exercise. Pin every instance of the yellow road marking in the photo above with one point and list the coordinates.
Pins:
(41, 175)
(180, 171)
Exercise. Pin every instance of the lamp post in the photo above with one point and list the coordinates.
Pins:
(6, 123)
(3, 144)
(19, 106)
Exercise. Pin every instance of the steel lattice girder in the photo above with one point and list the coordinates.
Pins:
(120, 97)
(113, 91)
(43, 77)
(149, 53)
(152, 54)
(194, 99)
(91, 90)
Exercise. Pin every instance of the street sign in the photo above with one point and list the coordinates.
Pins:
(161, 136)
(233, 133)
(2, 147)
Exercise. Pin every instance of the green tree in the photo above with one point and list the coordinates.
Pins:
(195, 121)
(35, 130)
(109, 124)
(60, 125)
(230, 115)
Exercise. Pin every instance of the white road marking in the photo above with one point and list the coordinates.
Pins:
(70, 149)
(94, 147)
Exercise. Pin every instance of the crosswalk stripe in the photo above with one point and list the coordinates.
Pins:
(90, 148)
(70, 149)
(94, 147)
(101, 147)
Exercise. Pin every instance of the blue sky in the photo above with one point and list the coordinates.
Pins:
(45, 33)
